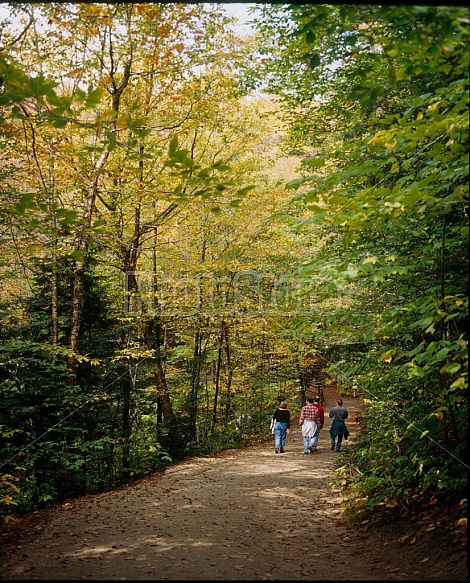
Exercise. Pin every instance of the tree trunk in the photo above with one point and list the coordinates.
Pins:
(80, 265)
(228, 398)
(195, 381)
(84, 234)
(153, 341)
(54, 306)
(217, 373)
(126, 426)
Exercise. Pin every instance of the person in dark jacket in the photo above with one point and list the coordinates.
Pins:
(338, 428)
(281, 427)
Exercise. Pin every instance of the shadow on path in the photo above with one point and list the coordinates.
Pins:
(242, 515)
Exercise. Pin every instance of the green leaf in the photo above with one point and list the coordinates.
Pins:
(245, 190)
(27, 201)
(314, 61)
(295, 184)
(221, 167)
(423, 323)
(310, 37)
(173, 147)
(450, 368)
(313, 162)
(93, 97)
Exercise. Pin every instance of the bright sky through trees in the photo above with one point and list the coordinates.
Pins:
(240, 10)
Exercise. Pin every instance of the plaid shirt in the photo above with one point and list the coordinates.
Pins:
(310, 412)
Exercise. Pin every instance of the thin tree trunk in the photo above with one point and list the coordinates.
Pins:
(54, 306)
(153, 341)
(80, 265)
(126, 425)
(195, 381)
(228, 398)
(54, 277)
(84, 236)
(217, 373)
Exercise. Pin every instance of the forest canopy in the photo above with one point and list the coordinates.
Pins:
(194, 223)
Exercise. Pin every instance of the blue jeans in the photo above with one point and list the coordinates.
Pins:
(311, 441)
(315, 439)
(308, 442)
(280, 433)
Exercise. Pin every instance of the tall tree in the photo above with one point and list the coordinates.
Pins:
(380, 96)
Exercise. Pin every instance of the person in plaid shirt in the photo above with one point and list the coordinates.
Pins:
(309, 422)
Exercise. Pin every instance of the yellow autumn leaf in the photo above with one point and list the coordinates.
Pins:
(388, 356)
(92, 9)
(122, 122)
(457, 384)
(434, 106)
(430, 329)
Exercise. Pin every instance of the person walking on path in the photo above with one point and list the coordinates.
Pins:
(309, 422)
(321, 410)
(281, 419)
(338, 428)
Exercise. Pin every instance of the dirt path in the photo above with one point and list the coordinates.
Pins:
(246, 514)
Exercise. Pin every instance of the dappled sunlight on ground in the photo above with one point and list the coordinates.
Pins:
(246, 514)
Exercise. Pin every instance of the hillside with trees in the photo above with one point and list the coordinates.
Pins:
(194, 224)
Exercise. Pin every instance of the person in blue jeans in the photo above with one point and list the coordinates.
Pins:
(281, 427)
(338, 428)
(309, 423)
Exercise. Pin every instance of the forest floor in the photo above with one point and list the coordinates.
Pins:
(245, 514)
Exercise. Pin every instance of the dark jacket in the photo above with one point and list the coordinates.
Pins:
(282, 415)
